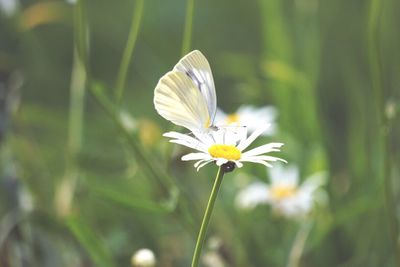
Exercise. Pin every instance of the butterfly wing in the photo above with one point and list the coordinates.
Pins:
(177, 99)
(196, 67)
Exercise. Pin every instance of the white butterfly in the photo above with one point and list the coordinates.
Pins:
(186, 95)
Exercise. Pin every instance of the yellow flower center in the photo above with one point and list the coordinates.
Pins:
(225, 151)
(283, 191)
(232, 118)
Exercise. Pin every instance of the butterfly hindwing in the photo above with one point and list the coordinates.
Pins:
(177, 99)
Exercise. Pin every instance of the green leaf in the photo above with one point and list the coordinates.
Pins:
(85, 235)
(137, 203)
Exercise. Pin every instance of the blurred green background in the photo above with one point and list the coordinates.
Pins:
(87, 179)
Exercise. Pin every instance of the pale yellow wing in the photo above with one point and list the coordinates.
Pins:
(177, 99)
(197, 68)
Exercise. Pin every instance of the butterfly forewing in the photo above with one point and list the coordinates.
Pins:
(177, 99)
(197, 68)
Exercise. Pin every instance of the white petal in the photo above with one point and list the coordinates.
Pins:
(203, 164)
(199, 162)
(180, 136)
(293, 208)
(271, 147)
(221, 161)
(255, 160)
(220, 117)
(271, 158)
(265, 158)
(195, 156)
(285, 175)
(296, 206)
(204, 137)
(234, 134)
(218, 136)
(245, 143)
(197, 146)
(238, 164)
(186, 140)
(251, 196)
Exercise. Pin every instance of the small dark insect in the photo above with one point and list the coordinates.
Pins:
(228, 167)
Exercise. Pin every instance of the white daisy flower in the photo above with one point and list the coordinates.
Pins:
(284, 193)
(226, 145)
(251, 117)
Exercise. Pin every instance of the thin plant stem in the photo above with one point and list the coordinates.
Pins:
(78, 80)
(128, 51)
(65, 193)
(66, 189)
(76, 107)
(384, 125)
(81, 34)
(299, 244)
(187, 32)
(206, 218)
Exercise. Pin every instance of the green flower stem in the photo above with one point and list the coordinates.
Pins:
(299, 244)
(130, 46)
(64, 201)
(81, 31)
(78, 81)
(376, 68)
(187, 32)
(206, 219)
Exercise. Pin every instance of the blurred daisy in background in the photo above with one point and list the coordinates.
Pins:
(9, 7)
(226, 145)
(127, 121)
(213, 257)
(286, 196)
(251, 117)
(143, 258)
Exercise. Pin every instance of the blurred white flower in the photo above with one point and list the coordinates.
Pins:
(9, 7)
(251, 117)
(212, 259)
(143, 258)
(25, 200)
(284, 193)
(226, 145)
(129, 123)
